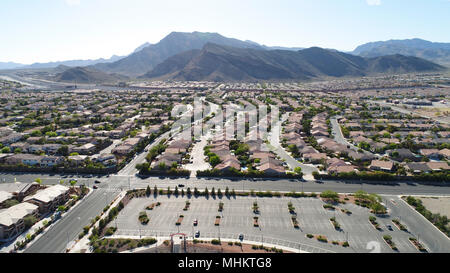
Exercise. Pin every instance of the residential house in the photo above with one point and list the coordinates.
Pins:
(417, 167)
(438, 166)
(431, 153)
(380, 165)
(272, 168)
(315, 158)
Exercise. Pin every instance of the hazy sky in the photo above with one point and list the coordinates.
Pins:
(55, 30)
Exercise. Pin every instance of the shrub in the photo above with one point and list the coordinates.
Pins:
(143, 218)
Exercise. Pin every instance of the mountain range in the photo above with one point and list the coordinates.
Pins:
(70, 63)
(211, 56)
(224, 63)
(176, 42)
(436, 52)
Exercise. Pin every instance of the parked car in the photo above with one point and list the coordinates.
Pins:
(97, 182)
(95, 187)
(197, 234)
(389, 227)
(241, 236)
(180, 185)
(195, 222)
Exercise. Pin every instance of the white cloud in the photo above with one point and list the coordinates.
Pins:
(373, 2)
(73, 2)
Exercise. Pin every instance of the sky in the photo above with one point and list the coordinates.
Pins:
(56, 30)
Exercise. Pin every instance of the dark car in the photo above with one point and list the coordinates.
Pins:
(180, 186)
(197, 234)
(95, 187)
(241, 236)
(97, 182)
(389, 227)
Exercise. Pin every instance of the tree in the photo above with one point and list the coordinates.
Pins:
(63, 150)
(214, 160)
(377, 208)
(330, 195)
(11, 202)
(6, 150)
(73, 183)
(29, 221)
(148, 191)
(361, 194)
(298, 170)
(38, 180)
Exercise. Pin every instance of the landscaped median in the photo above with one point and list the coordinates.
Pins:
(180, 219)
(417, 244)
(391, 244)
(399, 225)
(143, 218)
(375, 224)
(324, 239)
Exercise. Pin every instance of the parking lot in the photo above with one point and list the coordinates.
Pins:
(275, 225)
